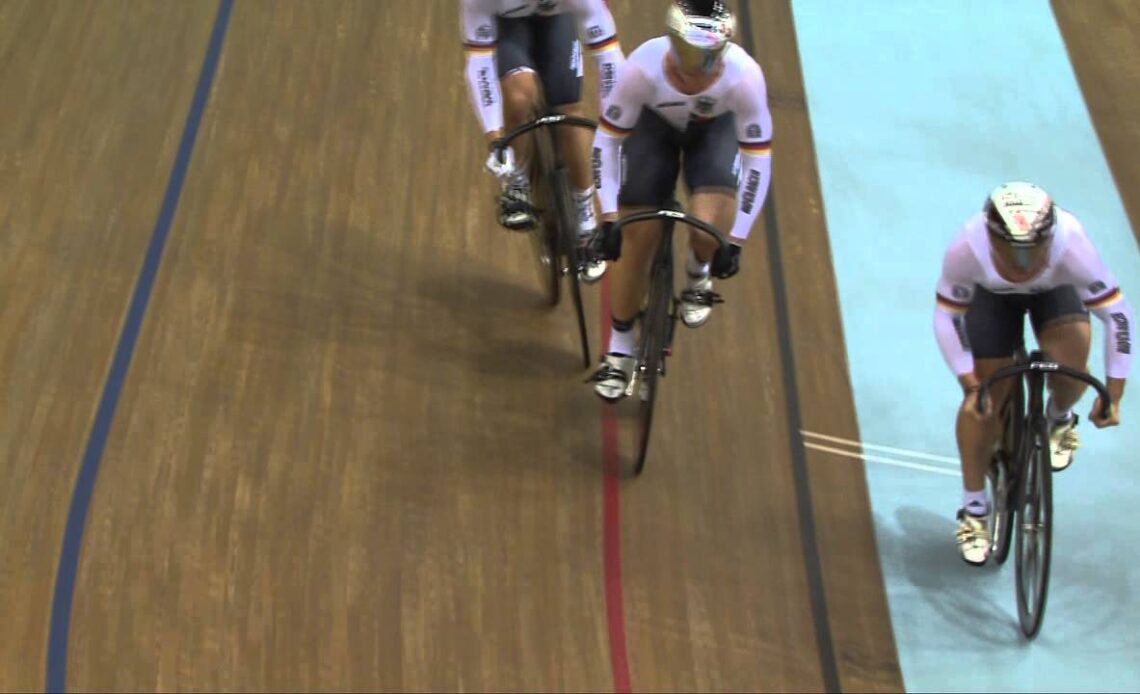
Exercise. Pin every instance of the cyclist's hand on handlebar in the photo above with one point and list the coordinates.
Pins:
(726, 261)
(500, 161)
(970, 405)
(1115, 388)
(1111, 420)
(607, 242)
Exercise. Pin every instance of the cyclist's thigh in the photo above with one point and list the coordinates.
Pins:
(1056, 307)
(712, 155)
(515, 48)
(995, 329)
(649, 162)
(558, 56)
(1061, 323)
(995, 324)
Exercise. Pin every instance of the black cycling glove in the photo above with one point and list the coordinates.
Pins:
(607, 242)
(726, 261)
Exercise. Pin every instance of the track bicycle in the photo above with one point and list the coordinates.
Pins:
(659, 317)
(1020, 477)
(555, 238)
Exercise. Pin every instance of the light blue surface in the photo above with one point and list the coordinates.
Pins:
(918, 109)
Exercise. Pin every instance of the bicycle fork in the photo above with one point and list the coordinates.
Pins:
(640, 373)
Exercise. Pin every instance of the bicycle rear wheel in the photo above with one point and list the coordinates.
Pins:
(655, 328)
(1003, 473)
(568, 244)
(544, 236)
(1034, 530)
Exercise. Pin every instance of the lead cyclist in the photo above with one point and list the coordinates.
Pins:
(518, 50)
(1023, 254)
(690, 102)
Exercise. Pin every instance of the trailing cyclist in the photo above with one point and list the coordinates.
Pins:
(690, 101)
(533, 47)
(1023, 254)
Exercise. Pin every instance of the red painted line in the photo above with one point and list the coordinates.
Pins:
(611, 526)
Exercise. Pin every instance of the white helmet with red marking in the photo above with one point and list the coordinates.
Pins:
(1021, 218)
(699, 31)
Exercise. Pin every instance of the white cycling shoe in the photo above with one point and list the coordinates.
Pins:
(1063, 442)
(515, 209)
(587, 225)
(612, 376)
(973, 538)
(697, 301)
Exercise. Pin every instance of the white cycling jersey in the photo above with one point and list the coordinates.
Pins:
(480, 32)
(740, 90)
(1073, 260)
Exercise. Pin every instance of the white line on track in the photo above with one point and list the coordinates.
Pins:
(879, 459)
(883, 449)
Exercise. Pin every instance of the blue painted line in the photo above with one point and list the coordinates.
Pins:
(89, 469)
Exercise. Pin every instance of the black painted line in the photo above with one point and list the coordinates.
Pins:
(823, 638)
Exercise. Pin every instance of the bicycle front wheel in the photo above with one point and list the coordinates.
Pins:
(1003, 475)
(546, 262)
(1001, 506)
(1034, 530)
(544, 236)
(654, 334)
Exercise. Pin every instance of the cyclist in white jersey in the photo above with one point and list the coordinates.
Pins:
(693, 102)
(533, 47)
(1023, 254)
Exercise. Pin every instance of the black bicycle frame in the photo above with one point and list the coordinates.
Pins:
(660, 314)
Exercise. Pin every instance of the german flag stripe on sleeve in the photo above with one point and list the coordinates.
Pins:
(479, 48)
(950, 305)
(1108, 299)
(758, 148)
(603, 44)
(612, 129)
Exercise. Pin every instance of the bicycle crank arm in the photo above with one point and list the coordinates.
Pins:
(633, 382)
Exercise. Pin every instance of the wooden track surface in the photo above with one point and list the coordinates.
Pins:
(1103, 39)
(87, 142)
(353, 452)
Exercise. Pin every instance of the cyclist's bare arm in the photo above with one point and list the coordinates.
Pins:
(480, 32)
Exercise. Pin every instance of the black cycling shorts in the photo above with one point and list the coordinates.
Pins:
(548, 45)
(995, 323)
(655, 152)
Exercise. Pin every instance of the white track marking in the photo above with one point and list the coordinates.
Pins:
(880, 459)
(884, 449)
